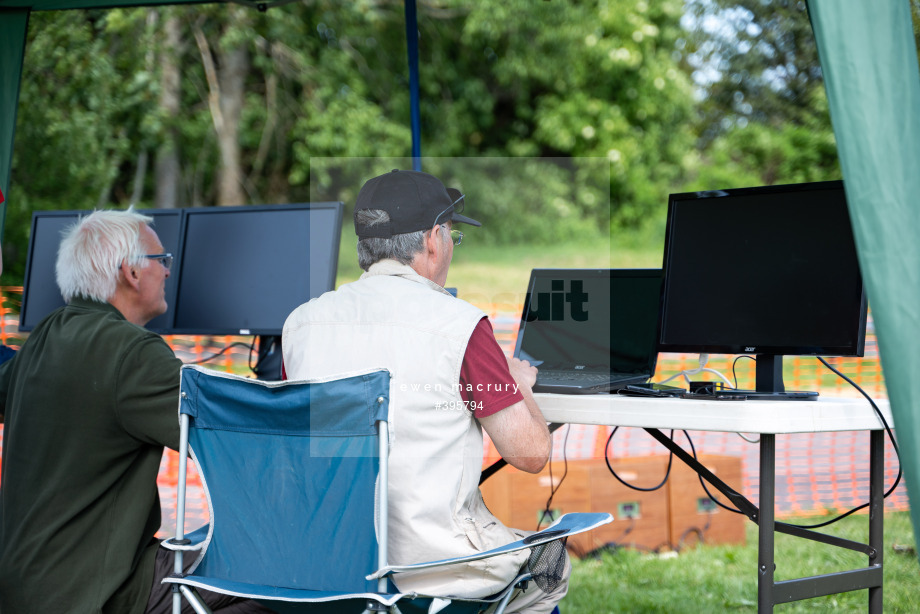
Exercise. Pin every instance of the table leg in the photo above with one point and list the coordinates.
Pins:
(765, 547)
(876, 511)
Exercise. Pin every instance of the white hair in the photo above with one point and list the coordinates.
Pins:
(402, 247)
(93, 249)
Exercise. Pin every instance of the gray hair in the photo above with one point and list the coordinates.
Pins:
(93, 249)
(402, 248)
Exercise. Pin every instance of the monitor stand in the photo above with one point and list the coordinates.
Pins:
(769, 383)
(268, 360)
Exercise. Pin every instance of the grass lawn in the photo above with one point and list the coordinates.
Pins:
(489, 274)
(724, 578)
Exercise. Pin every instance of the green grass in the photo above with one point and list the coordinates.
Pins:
(724, 578)
(490, 274)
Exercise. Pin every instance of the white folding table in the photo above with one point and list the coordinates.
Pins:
(769, 419)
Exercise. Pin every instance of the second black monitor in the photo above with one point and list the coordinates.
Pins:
(244, 269)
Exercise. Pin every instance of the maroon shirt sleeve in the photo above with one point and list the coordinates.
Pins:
(485, 381)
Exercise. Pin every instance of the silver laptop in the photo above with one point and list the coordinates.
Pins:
(590, 330)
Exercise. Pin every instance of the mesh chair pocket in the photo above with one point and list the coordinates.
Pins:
(547, 564)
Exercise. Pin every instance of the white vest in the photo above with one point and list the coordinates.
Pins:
(395, 318)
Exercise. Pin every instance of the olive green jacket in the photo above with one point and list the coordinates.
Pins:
(89, 402)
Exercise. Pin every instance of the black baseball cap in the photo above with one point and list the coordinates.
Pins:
(415, 201)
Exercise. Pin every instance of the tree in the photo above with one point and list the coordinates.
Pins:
(601, 82)
(168, 165)
(497, 81)
(237, 106)
(756, 61)
(763, 116)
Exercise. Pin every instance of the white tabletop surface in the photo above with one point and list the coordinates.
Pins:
(822, 415)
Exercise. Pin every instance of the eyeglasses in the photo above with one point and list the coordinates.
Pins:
(165, 259)
(457, 207)
(456, 236)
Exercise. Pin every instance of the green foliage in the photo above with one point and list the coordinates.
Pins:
(600, 83)
(79, 119)
(624, 101)
(758, 154)
(330, 79)
(765, 118)
(915, 18)
(73, 112)
(757, 60)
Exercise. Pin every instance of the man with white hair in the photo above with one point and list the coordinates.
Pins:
(88, 404)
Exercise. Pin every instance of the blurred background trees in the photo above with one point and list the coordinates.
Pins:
(224, 105)
(762, 116)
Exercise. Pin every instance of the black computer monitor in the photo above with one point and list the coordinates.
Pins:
(242, 270)
(768, 271)
(41, 294)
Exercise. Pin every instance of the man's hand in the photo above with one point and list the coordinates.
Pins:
(523, 373)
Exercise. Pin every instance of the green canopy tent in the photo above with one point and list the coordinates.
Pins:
(873, 84)
(869, 60)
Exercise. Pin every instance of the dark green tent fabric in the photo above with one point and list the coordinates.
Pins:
(13, 24)
(869, 60)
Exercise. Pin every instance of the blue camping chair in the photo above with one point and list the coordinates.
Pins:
(290, 470)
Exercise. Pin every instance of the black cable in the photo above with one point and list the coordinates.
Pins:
(218, 354)
(252, 347)
(890, 437)
(667, 472)
(878, 412)
(841, 516)
(613, 545)
(734, 362)
(699, 532)
(553, 488)
(703, 483)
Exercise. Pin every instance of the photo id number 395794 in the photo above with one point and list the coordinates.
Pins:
(458, 405)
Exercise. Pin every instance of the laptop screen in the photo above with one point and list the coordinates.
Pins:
(591, 319)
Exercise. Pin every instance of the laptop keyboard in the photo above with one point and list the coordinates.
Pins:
(544, 376)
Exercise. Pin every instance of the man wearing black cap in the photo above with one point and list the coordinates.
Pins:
(450, 381)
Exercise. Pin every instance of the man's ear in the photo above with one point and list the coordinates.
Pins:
(130, 274)
(434, 240)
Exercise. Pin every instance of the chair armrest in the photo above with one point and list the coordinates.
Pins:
(197, 540)
(567, 524)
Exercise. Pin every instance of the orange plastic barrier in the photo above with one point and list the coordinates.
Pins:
(819, 472)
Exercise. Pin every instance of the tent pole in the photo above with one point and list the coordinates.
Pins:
(412, 45)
